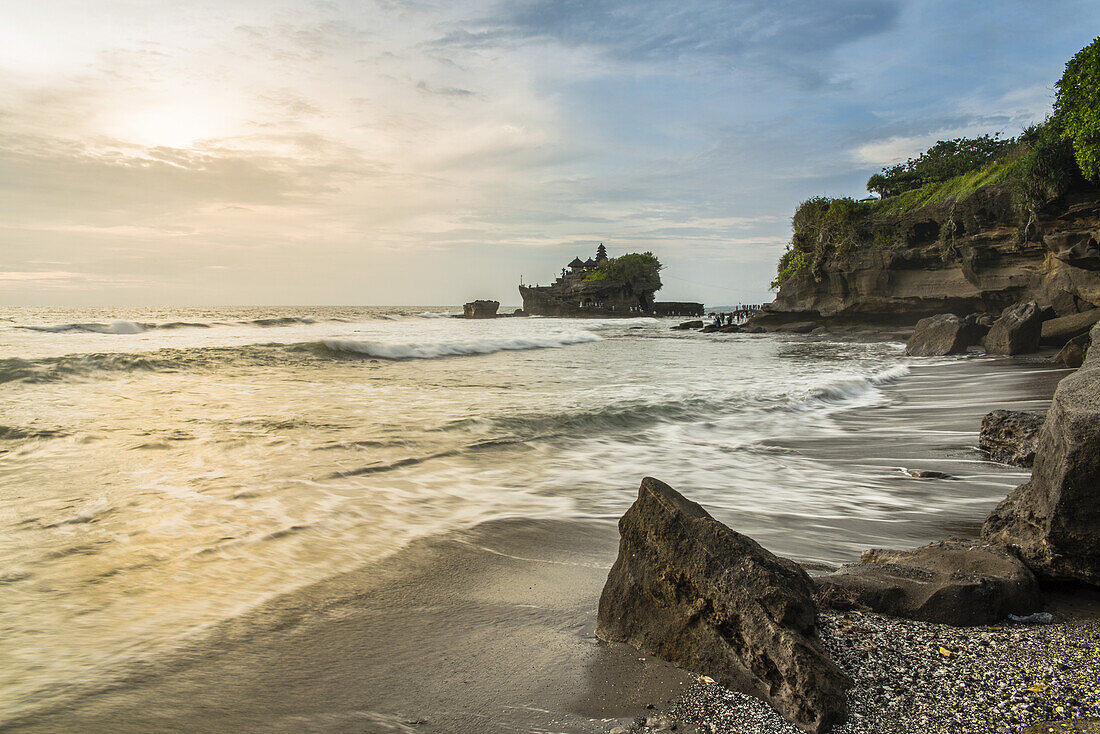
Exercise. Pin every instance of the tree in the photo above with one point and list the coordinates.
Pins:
(1077, 108)
(946, 159)
(642, 270)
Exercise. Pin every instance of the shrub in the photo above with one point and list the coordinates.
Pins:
(1077, 108)
(790, 262)
(1047, 168)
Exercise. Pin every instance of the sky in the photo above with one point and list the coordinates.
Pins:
(386, 152)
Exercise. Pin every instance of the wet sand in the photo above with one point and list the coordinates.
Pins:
(491, 630)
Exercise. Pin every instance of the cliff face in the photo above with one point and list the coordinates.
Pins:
(975, 255)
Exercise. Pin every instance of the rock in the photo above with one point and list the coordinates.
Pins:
(949, 582)
(1010, 436)
(689, 325)
(927, 474)
(1055, 518)
(755, 329)
(730, 329)
(1057, 332)
(1073, 353)
(798, 327)
(1017, 331)
(480, 309)
(689, 589)
(938, 335)
(820, 331)
(710, 329)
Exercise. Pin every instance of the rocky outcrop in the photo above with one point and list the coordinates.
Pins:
(1010, 436)
(1073, 353)
(689, 589)
(1058, 331)
(688, 325)
(1055, 518)
(798, 327)
(480, 309)
(1017, 331)
(949, 582)
(979, 254)
(938, 335)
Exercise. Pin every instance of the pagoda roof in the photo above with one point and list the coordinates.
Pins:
(577, 263)
(590, 263)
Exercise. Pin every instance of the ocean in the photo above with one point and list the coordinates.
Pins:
(164, 471)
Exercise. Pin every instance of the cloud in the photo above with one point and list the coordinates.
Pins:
(423, 86)
(785, 35)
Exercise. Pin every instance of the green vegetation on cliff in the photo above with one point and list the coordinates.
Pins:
(632, 267)
(1046, 161)
(945, 160)
(1077, 108)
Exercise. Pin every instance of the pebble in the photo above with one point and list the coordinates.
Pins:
(997, 679)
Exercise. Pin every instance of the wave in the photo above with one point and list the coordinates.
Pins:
(433, 350)
(58, 368)
(118, 326)
(121, 326)
(281, 321)
(433, 315)
(852, 388)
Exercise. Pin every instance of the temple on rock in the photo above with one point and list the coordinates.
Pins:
(604, 287)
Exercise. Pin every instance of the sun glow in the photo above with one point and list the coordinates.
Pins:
(174, 125)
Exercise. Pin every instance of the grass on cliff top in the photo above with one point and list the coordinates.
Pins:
(953, 189)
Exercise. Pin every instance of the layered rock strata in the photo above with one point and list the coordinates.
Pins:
(975, 255)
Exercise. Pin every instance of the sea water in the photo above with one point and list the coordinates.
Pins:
(164, 470)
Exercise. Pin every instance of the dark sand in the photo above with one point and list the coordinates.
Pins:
(490, 630)
(485, 631)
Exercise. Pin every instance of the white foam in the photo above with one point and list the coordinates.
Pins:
(431, 350)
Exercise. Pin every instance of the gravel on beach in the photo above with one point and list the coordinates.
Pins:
(927, 679)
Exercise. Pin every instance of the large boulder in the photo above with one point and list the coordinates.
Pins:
(1073, 353)
(950, 582)
(1057, 332)
(688, 325)
(1016, 331)
(1055, 518)
(1010, 436)
(938, 335)
(480, 309)
(689, 589)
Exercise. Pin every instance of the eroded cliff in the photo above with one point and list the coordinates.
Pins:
(980, 253)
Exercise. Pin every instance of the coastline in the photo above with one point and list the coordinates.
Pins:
(491, 629)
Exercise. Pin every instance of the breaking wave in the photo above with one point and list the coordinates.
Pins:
(432, 350)
(118, 326)
(853, 388)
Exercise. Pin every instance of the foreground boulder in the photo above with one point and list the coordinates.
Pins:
(688, 325)
(1055, 518)
(1010, 436)
(1016, 331)
(939, 335)
(949, 582)
(689, 589)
